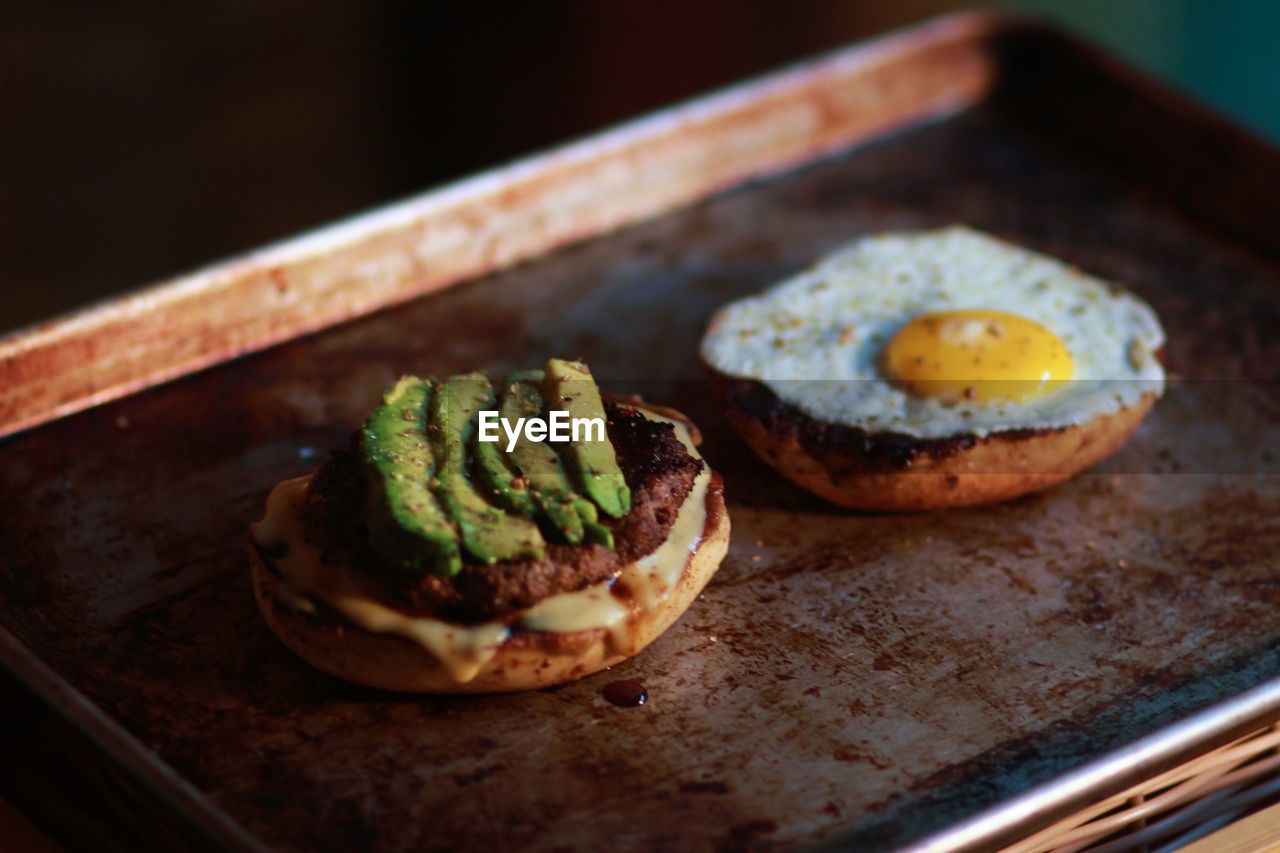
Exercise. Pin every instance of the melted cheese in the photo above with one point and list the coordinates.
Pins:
(465, 649)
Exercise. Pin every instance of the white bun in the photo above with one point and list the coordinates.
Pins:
(995, 468)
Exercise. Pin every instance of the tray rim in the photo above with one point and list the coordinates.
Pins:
(1040, 806)
(1009, 820)
(225, 310)
(168, 788)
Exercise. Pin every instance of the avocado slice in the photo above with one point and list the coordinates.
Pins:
(592, 464)
(592, 529)
(502, 482)
(488, 534)
(571, 515)
(409, 527)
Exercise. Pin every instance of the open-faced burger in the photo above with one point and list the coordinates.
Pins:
(921, 370)
(469, 541)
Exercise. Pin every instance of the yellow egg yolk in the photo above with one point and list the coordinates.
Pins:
(977, 355)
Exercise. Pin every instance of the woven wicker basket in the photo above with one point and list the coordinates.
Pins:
(1177, 807)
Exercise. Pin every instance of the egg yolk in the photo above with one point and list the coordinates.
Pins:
(977, 355)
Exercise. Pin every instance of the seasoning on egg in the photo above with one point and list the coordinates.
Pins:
(977, 355)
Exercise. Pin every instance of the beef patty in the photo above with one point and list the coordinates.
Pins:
(653, 460)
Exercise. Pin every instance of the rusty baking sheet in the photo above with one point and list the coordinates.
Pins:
(852, 680)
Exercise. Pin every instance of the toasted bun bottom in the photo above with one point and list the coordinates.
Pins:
(995, 468)
(525, 661)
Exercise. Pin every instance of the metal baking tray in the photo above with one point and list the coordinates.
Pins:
(947, 679)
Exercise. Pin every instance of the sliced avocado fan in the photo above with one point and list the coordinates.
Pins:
(436, 491)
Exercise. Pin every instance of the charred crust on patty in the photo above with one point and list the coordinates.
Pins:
(657, 468)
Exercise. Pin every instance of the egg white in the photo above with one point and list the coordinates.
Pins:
(816, 339)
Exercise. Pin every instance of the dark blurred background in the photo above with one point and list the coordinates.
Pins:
(139, 138)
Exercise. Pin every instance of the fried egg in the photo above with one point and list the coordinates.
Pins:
(940, 333)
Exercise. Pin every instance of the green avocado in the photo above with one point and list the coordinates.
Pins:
(502, 482)
(409, 528)
(488, 534)
(592, 464)
(545, 479)
(498, 474)
(592, 529)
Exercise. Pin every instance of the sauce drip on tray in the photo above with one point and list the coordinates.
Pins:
(625, 693)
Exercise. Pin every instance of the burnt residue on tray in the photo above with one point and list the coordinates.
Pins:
(844, 673)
